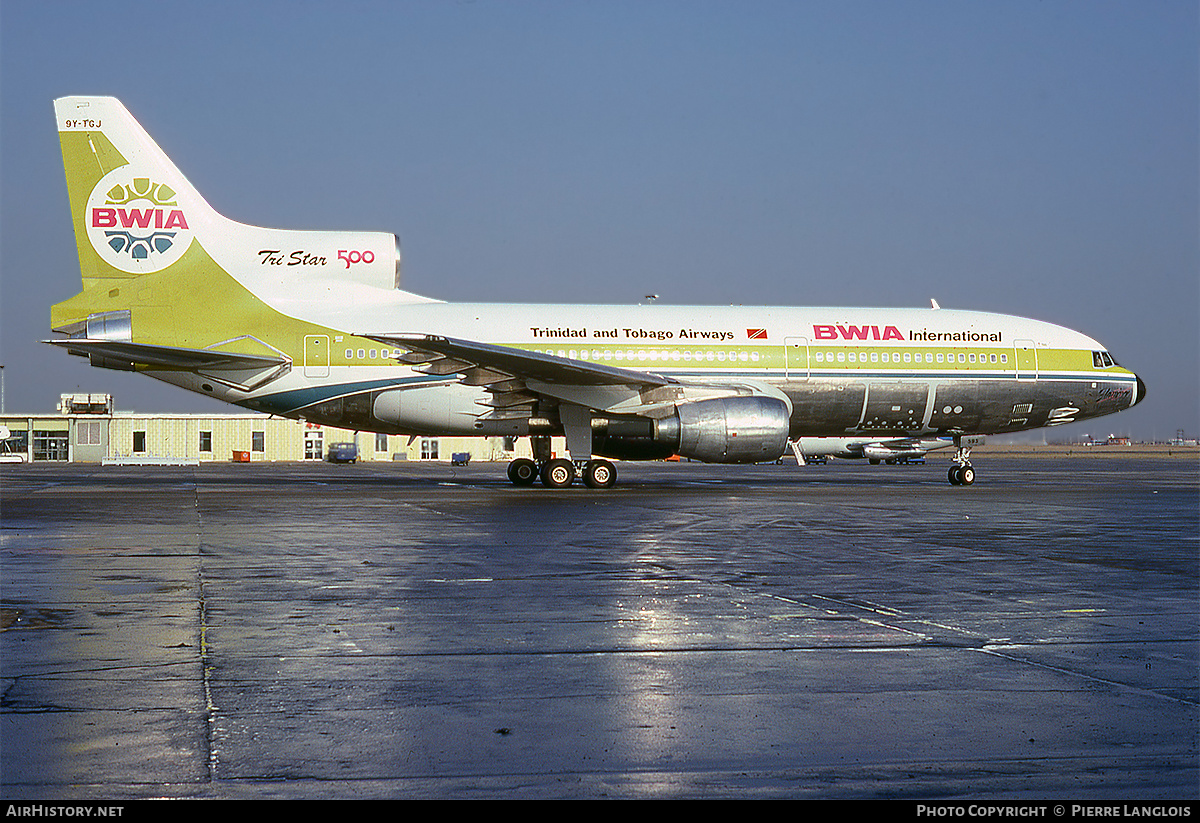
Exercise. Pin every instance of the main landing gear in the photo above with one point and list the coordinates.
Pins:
(558, 473)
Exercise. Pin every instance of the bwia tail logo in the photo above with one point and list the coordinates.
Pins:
(135, 223)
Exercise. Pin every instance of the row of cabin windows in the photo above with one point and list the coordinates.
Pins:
(753, 356)
(1100, 359)
(655, 355)
(909, 357)
(373, 354)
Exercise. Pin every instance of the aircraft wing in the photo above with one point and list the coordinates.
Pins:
(516, 379)
(447, 355)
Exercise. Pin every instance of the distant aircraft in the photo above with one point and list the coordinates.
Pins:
(313, 325)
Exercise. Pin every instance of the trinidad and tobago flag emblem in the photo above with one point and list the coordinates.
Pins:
(756, 334)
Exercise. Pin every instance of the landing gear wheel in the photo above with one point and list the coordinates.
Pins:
(558, 473)
(522, 471)
(961, 475)
(599, 474)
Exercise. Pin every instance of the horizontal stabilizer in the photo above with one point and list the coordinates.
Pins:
(239, 371)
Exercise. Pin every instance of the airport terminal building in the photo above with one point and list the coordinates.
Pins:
(86, 429)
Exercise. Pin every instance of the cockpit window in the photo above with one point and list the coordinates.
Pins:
(1102, 359)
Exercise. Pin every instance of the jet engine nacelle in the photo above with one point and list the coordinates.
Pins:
(742, 429)
(747, 429)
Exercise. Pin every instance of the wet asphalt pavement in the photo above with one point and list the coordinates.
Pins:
(419, 630)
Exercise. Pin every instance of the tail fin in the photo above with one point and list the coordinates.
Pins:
(136, 215)
(171, 286)
(134, 212)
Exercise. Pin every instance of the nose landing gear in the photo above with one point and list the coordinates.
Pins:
(961, 473)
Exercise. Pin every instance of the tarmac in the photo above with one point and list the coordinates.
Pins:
(426, 631)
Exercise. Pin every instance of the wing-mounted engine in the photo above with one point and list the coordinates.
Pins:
(749, 428)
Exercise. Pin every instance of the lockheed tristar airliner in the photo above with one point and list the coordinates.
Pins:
(313, 325)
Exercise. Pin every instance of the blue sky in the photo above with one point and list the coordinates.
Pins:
(1034, 158)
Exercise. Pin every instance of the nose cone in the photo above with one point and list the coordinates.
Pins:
(1141, 392)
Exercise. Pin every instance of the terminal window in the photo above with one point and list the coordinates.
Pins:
(205, 441)
(87, 433)
(139, 442)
